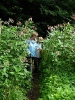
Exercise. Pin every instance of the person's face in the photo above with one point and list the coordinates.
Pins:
(34, 37)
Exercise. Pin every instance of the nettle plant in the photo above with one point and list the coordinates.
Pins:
(14, 77)
(59, 47)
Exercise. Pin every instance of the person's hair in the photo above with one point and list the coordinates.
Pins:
(40, 39)
(34, 34)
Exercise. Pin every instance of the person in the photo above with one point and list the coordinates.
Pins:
(38, 50)
(31, 49)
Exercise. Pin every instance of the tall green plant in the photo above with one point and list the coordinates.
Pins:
(14, 76)
(57, 65)
(59, 48)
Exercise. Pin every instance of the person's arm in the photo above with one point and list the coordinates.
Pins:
(39, 47)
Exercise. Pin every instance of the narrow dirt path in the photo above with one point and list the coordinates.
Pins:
(34, 92)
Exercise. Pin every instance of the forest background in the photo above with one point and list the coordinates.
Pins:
(43, 12)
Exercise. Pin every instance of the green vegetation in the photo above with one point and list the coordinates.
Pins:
(15, 79)
(43, 12)
(57, 68)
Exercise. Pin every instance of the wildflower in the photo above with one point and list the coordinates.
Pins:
(30, 19)
(6, 22)
(19, 23)
(68, 23)
(33, 27)
(57, 53)
(52, 28)
(11, 20)
(49, 27)
(64, 24)
(73, 16)
(16, 27)
(58, 25)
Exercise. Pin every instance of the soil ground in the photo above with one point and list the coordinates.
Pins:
(34, 92)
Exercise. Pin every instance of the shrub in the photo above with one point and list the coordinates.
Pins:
(14, 76)
(57, 65)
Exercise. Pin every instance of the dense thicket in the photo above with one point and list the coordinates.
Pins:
(43, 12)
(57, 64)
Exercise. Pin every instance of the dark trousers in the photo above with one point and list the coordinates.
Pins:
(36, 62)
(34, 59)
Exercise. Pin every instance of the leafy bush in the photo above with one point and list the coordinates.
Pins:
(59, 49)
(57, 65)
(14, 76)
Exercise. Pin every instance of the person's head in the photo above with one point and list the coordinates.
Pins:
(40, 39)
(34, 35)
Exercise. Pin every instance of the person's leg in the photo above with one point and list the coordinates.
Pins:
(39, 61)
(35, 64)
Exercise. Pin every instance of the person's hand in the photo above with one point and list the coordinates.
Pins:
(39, 50)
